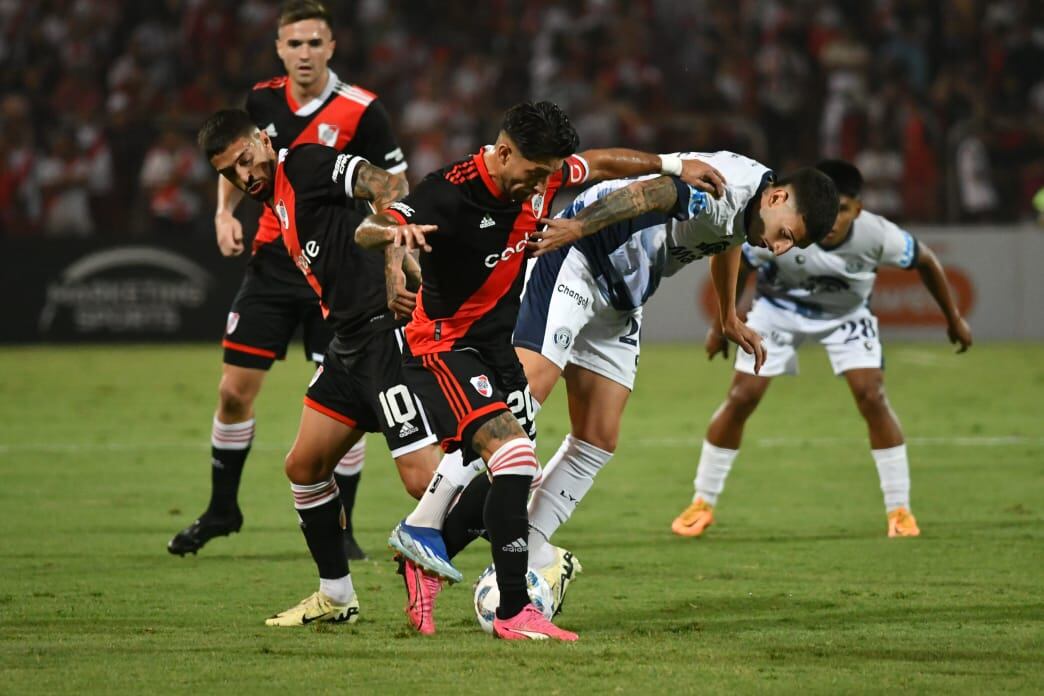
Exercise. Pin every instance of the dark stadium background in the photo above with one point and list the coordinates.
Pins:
(941, 104)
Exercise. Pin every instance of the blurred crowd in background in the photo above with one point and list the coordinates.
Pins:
(940, 104)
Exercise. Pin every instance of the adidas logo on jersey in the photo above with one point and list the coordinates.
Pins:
(407, 429)
(487, 221)
(516, 546)
(271, 130)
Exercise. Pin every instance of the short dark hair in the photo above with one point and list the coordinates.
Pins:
(540, 130)
(299, 10)
(845, 175)
(815, 197)
(222, 129)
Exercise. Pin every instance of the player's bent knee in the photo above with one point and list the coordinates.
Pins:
(870, 397)
(235, 397)
(303, 470)
(743, 399)
(515, 458)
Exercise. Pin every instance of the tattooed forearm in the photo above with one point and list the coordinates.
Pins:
(375, 231)
(641, 197)
(376, 185)
(495, 433)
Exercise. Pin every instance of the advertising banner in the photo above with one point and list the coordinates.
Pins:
(76, 290)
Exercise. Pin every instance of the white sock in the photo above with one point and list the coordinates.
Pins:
(352, 462)
(894, 472)
(339, 590)
(449, 478)
(714, 466)
(567, 478)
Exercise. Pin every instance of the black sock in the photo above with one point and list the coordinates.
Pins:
(325, 537)
(226, 468)
(465, 520)
(507, 522)
(348, 485)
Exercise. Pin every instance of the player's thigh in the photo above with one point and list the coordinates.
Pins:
(866, 385)
(322, 439)
(260, 323)
(558, 302)
(332, 420)
(781, 339)
(610, 345)
(416, 468)
(854, 344)
(596, 406)
(746, 390)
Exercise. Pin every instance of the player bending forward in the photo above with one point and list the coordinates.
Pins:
(600, 261)
(822, 294)
(459, 356)
(359, 387)
(309, 104)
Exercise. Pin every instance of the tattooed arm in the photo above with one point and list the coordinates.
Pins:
(378, 186)
(651, 195)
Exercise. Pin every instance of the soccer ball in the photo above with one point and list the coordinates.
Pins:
(487, 596)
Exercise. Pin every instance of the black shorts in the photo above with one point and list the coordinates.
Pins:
(362, 386)
(462, 389)
(265, 314)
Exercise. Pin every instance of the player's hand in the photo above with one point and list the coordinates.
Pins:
(400, 300)
(703, 176)
(716, 342)
(229, 234)
(746, 338)
(557, 233)
(412, 236)
(959, 332)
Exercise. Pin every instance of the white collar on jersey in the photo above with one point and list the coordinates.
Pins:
(313, 106)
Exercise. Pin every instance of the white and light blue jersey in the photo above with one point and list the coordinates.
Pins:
(824, 283)
(630, 258)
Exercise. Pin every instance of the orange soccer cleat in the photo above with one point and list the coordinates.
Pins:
(902, 523)
(694, 519)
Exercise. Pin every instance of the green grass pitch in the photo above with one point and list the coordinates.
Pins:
(104, 455)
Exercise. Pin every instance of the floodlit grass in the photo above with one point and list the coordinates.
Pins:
(104, 455)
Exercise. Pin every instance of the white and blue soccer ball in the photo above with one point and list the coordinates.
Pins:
(487, 596)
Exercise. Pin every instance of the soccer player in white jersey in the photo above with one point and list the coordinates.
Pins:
(582, 309)
(822, 294)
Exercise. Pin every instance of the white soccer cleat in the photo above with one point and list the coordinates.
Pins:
(558, 574)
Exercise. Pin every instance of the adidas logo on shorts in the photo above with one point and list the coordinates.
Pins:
(407, 429)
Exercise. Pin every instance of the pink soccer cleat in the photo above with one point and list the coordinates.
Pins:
(529, 624)
(421, 591)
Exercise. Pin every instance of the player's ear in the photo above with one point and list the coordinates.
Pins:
(779, 196)
(503, 150)
(858, 205)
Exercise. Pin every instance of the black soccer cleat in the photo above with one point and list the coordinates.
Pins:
(193, 537)
(352, 549)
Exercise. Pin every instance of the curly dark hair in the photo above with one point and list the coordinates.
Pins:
(222, 129)
(540, 130)
(815, 197)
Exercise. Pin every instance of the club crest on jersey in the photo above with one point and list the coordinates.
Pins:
(284, 217)
(232, 322)
(328, 134)
(482, 385)
(538, 206)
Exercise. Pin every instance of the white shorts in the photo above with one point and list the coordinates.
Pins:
(851, 341)
(565, 317)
